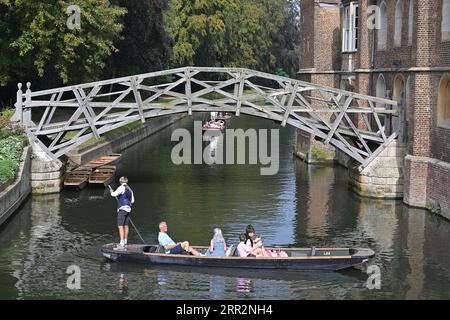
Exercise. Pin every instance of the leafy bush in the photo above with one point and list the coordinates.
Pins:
(5, 116)
(8, 170)
(11, 145)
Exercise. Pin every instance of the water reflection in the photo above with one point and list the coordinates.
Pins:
(244, 285)
(122, 287)
(301, 206)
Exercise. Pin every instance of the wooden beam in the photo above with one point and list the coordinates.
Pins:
(82, 102)
(138, 98)
(338, 120)
(289, 106)
(239, 97)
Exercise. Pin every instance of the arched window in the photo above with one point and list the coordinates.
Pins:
(398, 23)
(443, 110)
(445, 22)
(381, 89)
(381, 93)
(382, 32)
(410, 22)
(398, 123)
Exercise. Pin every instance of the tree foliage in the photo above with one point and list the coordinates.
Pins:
(144, 45)
(125, 37)
(35, 36)
(258, 34)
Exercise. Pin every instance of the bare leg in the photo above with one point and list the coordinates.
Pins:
(186, 247)
(263, 251)
(121, 233)
(193, 251)
(125, 233)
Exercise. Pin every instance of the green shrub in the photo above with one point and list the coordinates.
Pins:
(319, 153)
(8, 170)
(11, 146)
(5, 116)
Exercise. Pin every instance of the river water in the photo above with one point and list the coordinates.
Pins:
(300, 206)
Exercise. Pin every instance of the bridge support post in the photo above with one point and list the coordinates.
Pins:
(383, 177)
(47, 175)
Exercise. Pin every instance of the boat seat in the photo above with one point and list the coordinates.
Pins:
(160, 249)
(230, 251)
(234, 252)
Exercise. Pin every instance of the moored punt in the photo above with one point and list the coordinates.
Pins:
(102, 176)
(103, 161)
(212, 129)
(77, 179)
(297, 259)
(224, 118)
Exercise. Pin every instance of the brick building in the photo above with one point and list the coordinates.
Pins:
(399, 49)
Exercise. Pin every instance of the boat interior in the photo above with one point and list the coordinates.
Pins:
(291, 253)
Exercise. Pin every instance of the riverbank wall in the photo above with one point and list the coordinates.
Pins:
(49, 179)
(383, 178)
(84, 155)
(13, 193)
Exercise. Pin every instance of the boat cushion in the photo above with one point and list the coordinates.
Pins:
(160, 249)
(230, 251)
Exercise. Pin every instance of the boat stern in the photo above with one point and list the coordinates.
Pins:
(362, 255)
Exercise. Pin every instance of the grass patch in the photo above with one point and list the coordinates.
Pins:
(319, 153)
(108, 136)
(5, 116)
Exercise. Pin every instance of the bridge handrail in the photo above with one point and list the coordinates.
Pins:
(260, 74)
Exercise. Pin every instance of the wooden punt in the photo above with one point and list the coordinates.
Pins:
(298, 258)
(77, 179)
(103, 161)
(102, 176)
(213, 129)
(224, 118)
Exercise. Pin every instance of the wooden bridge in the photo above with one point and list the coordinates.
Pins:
(58, 120)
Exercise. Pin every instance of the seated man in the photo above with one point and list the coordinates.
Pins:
(244, 250)
(170, 246)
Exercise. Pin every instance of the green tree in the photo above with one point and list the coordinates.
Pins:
(237, 33)
(285, 42)
(198, 29)
(35, 37)
(144, 44)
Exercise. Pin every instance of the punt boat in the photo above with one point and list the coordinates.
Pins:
(104, 161)
(223, 117)
(77, 179)
(102, 176)
(332, 259)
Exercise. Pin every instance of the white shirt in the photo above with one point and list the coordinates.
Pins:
(121, 190)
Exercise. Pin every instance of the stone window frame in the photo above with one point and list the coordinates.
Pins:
(399, 94)
(350, 28)
(398, 23)
(443, 102)
(382, 33)
(410, 22)
(383, 94)
(445, 23)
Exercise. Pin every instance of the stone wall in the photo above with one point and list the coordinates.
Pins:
(47, 176)
(427, 184)
(83, 156)
(13, 194)
(383, 177)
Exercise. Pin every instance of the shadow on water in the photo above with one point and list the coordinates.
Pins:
(345, 276)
